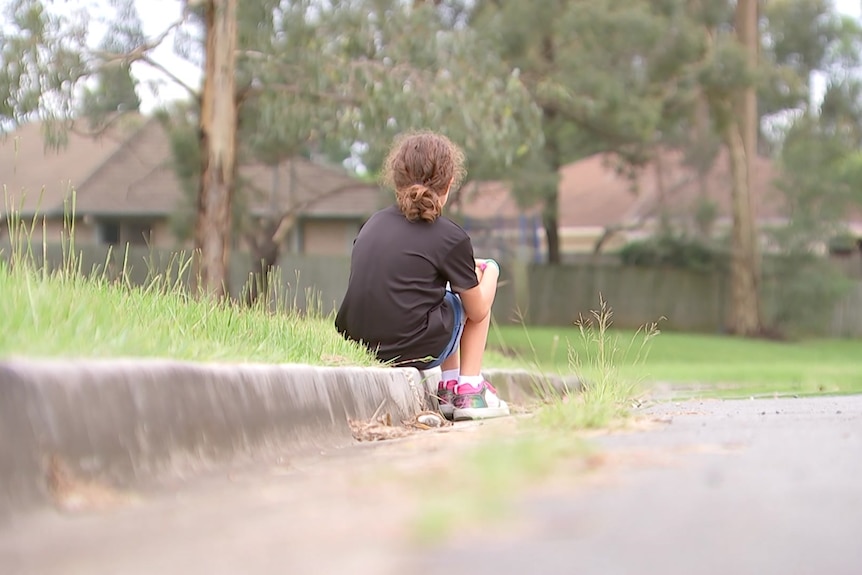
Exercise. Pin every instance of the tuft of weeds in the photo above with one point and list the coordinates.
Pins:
(481, 485)
(606, 392)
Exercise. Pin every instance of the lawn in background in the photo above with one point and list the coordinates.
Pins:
(728, 366)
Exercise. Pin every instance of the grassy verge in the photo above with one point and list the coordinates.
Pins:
(64, 313)
(716, 365)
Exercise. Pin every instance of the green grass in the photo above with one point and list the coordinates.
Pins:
(63, 314)
(482, 486)
(480, 489)
(728, 366)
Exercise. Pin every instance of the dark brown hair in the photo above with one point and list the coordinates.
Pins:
(420, 168)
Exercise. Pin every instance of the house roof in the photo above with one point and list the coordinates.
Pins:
(36, 178)
(136, 179)
(322, 190)
(131, 174)
(488, 200)
(593, 194)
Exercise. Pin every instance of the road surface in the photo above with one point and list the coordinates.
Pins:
(708, 487)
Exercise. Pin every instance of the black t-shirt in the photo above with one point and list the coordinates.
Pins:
(398, 272)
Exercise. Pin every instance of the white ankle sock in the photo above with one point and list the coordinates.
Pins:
(451, 374)
(474, 380)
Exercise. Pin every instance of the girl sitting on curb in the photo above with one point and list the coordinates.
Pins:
(416, 296)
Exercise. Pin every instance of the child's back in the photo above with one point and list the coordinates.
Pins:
(399, 271)
(416, 295)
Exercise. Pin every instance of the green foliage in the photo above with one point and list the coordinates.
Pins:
(308, 72)
(113, 88)
(675, 251)
(606, 392)
(804, 290)
(819, 156)
(484, 485)
(605, 68)
(843, 244)
(42, 63)
(609, 76)
(796, 38)
(685, 359)
(363, 71)
(801, 38)
(181, 125)
(821, 177)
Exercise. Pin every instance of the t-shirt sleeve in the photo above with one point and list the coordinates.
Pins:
(459, 267)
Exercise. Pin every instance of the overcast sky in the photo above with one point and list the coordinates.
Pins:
(157, 15)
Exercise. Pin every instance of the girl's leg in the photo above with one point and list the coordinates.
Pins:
(472, 349)
(453, 362)
(451, 374)
(474, 397)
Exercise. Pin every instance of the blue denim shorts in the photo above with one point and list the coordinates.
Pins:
(454, 302)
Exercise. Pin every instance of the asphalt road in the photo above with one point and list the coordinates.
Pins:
(712, 487)
(726, 487)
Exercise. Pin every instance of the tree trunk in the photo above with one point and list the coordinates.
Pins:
(552, 229)
(265, 253)
(744, 277)
(740, 135)
(218, 147)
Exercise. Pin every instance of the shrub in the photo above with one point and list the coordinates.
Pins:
(671, 251)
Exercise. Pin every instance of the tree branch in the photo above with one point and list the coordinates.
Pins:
(255, 91)
(113, 119)
(287, 218)
(173, 77)
(141, 54)
(641, 219)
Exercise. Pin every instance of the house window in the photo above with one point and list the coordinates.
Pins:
(109, 232)
(119, 232)
(136, 233)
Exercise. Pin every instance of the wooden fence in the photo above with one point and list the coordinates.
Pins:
(534, 293)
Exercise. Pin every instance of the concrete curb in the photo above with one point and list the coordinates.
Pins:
(127, 422)
(123, 422)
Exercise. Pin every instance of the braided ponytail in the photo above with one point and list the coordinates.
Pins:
(422, 167)
(419, 202)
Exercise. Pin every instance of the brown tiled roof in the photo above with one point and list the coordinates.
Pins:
(133, 176)
(137, 179)
(36, 178)
(325, 191)
(592, 193)
(487, 200)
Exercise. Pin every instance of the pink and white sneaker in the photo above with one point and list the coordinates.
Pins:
(477, 402)
(445, 396)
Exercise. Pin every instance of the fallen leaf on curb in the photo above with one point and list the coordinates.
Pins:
(73, 494)
(378, 428)
(425, 420)
(375, 430)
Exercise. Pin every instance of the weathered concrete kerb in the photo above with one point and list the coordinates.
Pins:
(126, 422)
(122, 422)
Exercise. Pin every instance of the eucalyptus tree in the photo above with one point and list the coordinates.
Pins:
(279, 77)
